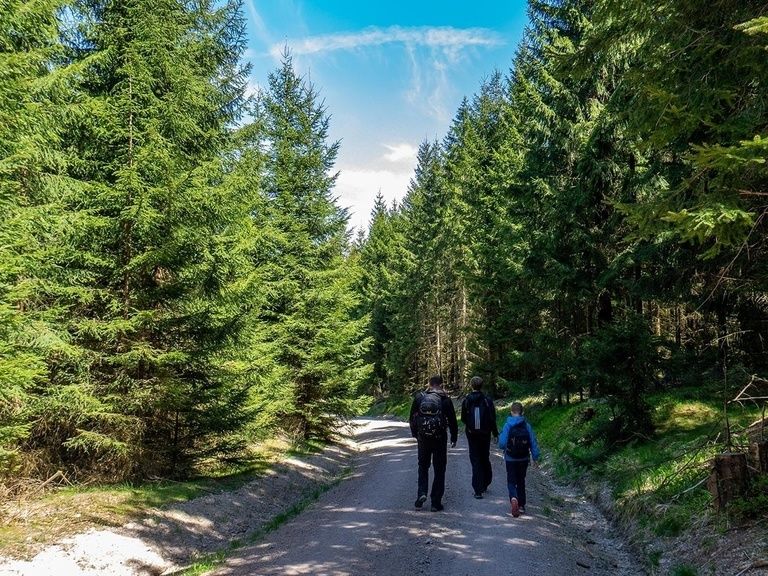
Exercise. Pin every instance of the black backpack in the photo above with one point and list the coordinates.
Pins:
(478, 413)
(430, 419)
(518, 441)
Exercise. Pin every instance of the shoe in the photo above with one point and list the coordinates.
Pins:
(522, 510)
(515, 507)
(420, 501)
(437, 507)
(478, 495)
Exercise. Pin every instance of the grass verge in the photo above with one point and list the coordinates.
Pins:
(35, 520)
(211, 561)
(657, 484)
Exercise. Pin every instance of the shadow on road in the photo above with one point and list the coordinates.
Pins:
(368, 525)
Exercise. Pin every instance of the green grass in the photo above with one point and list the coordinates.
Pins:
(396, 407)
(657, 482)
(684, 570)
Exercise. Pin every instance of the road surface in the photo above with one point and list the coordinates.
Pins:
(367, 525)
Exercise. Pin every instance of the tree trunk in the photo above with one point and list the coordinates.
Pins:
(758, 456)
(728, 478)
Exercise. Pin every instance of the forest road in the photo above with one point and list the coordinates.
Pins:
(367, 524)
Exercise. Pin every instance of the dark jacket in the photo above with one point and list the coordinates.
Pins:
(469, 400)
(446, 406)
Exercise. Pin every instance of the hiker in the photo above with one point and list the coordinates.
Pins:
(518, 441)
(431, 413)
(479, 416)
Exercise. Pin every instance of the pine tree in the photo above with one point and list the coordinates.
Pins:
(157, 89)
(33, 248)
(691, 100)
(379, 252)
(320, 346)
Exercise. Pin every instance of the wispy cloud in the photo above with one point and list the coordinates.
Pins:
(400, 153)
(431, 53)
(446, 37)
(259, 27)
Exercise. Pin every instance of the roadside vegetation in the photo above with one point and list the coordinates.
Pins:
(178, 283)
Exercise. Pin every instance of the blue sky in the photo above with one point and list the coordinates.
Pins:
(392, 74)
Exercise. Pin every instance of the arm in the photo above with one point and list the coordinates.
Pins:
(495, 428)
(535, 453)
(412, 416)
(450, 415)
(464, 411)
(504, 436)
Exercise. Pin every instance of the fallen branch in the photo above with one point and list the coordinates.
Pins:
(699, 483)
(58, 474)
(757, 564)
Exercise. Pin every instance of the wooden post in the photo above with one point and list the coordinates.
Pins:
(728, 478)
(758, 456)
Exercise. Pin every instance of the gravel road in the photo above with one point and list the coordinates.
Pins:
(367, 524)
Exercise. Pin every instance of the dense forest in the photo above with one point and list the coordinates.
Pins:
(177, 278)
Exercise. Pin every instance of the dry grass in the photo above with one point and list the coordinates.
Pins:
(34, 514)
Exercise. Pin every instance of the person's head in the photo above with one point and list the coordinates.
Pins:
(476, 382)
(516, 409)
(436, 381)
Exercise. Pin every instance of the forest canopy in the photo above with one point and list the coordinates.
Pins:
(178, 280)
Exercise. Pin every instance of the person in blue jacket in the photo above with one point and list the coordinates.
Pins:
(518, 441)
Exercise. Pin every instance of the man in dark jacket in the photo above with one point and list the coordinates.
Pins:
(479, 416)
(431, 413)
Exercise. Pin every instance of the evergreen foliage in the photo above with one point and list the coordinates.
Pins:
(598, 212)
(176, 277)
(318, 344)
(30, 208)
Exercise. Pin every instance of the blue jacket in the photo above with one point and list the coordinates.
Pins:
(504, 436)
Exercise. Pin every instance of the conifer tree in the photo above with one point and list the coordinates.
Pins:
(320, 345)
(30, 211)
(379, 252)
(159, 86)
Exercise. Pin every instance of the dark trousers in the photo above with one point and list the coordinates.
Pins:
(480, 457)
(516, 480)
(434, 451)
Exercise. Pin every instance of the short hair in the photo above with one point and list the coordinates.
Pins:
(516, 408)
(435, 380)
(476, 382)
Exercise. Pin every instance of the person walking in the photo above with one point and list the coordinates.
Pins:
(479, 416)
(431, 413)
(518, 441)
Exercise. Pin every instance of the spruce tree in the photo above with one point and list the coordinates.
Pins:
(159, 86)
(310, 313)
(29, 208)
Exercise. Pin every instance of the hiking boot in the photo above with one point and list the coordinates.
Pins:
(437, 507)
(478, 495)
(515, 507)
(420, 501)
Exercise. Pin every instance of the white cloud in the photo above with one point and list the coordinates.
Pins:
(262, 32)
(357, 188)
(446, 37)
(402, 152)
